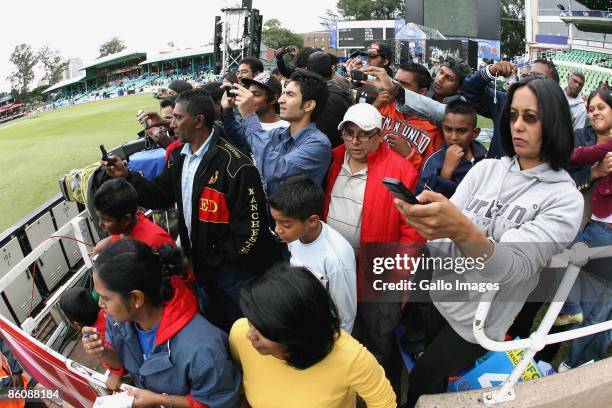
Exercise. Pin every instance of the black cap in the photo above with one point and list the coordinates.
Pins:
(320, 63)
(179, 86)
(266, 80)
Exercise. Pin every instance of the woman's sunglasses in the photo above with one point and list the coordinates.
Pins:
(528, 117)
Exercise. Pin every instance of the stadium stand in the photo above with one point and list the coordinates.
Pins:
(585, 57)
(591, 78)
(596, 67)
(120, 87)
(131, 72)
(10, 109)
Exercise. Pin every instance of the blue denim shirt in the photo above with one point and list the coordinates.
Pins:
(277, 153)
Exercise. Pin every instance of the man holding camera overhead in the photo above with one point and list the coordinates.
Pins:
(378, 55)
(279, 153)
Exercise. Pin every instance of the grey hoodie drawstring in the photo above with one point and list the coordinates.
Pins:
(489, 232)
(494, 210)
(495, 90)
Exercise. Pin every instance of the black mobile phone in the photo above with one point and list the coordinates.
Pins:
(358, 75)
(228, 88)
(104, 153)
(399, 190)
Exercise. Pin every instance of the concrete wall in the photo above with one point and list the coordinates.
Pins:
(589, 386)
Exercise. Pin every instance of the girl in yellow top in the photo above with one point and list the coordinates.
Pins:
(292, 351)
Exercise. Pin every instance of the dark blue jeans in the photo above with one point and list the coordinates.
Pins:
(592, 294)
(221, 301)
(594, 234)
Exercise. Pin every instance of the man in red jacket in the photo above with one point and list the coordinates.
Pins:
(360, 208)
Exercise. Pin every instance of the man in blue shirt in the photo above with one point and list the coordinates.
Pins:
(283, 152)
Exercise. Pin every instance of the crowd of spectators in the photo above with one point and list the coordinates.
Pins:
(267, 297)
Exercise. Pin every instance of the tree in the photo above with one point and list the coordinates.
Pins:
(275, 36)
(371, 10)
(24, 59)
(329, 18)
(512, 27)
(113, 46)
(53, 64)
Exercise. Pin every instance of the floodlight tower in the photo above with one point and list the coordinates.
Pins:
(237, 35)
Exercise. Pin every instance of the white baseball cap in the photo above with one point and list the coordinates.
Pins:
(364, 115)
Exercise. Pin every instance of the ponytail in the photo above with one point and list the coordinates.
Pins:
(173, 263)
(128, 265)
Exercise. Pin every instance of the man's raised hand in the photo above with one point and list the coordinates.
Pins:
(502, 68)
(245, 100)
(227, 101)
(383, 81)
(151, 119)
(115, 167)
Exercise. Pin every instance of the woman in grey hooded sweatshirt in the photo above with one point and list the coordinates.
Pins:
(509, 215)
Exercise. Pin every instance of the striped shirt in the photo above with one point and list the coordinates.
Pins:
(346, 203)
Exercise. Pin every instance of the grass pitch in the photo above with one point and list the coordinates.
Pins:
(36, 152)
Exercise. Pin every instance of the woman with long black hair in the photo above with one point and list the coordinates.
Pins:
(510, 215)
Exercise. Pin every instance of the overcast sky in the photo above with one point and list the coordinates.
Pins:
(77, 28)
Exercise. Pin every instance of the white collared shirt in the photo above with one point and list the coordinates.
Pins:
(190, 166)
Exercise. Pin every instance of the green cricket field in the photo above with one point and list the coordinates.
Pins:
(36, 152)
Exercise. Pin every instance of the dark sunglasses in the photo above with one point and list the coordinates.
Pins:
(528, 117)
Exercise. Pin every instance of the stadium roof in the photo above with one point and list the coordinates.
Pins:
(65, 83)
(179, 54)
(591, 21)
(10, 107)
(595, 4)
(114, 59)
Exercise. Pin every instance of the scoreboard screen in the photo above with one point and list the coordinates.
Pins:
(358, 37)
(461, 21)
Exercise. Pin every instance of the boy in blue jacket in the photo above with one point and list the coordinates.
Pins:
(444, 170)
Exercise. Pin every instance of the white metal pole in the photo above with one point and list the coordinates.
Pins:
(574, 258)
(78, 234)
(528, 25)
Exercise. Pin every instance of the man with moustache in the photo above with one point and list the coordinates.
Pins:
(218, 192)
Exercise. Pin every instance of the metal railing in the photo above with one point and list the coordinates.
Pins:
(32, 322)
(574, 258)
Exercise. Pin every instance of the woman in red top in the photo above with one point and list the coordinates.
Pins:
(589, 301)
